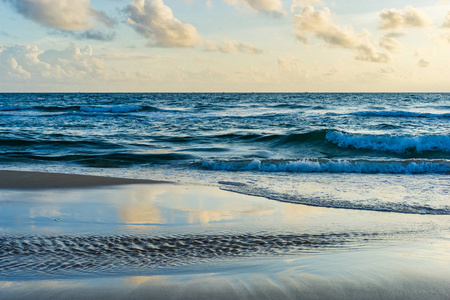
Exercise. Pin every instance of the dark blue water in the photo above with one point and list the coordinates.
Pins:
(362, 151)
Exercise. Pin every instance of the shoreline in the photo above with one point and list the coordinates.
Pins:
(64, 236)
(31, 180)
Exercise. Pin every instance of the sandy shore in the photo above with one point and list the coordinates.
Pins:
(41, 180)
(165, 241)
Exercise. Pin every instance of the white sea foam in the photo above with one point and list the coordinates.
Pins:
(389, 143)
(333, 166)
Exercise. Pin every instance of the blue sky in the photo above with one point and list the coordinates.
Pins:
(224, 45)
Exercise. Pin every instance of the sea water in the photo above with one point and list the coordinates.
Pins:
(381, 162)
(384, 152)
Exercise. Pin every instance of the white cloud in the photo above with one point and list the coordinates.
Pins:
(274, 7)
(446, 23)
(61, 14)
(367, 52)
(289, 64)
(232, 47)
(319, 24)
(410, 17)
(423, 63)
(28, 62)
(299, 4)
(155, 21)
(390, 44)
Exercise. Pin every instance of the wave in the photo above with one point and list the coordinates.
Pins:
(382, 206)
(400, 113)
(12, 108)
(86, 109)
(329, 140)
(110, 160)
(334, 166)
(389, 143)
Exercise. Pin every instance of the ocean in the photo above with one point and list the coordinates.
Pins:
(310, 196)
(362, 151)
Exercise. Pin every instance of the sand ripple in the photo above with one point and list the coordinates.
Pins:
(71, 255)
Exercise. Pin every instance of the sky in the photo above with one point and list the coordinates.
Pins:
(224, 46)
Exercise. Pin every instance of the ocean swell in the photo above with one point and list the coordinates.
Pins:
(400, 113)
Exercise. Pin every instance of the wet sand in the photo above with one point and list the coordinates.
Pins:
(162, 241)
(41, 180)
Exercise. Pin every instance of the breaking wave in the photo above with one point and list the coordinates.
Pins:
(334, 166)
(389, 143)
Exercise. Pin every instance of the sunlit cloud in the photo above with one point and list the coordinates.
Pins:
(299, 4)
(273, 7)
(231, 47)
(410, 17)
(446, 23)
(70, 65)
(25, 61)
(61, 14)
(156, 22)
(390, 44)
(319, 24)
(423, 63)
(366, 52)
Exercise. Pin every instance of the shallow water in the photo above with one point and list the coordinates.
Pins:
(271, 145)
(156, 229)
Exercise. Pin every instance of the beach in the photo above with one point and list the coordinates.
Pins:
(92, 237)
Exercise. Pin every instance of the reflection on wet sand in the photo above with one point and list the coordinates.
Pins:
(151, 205)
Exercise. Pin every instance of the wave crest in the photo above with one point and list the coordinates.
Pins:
(334, 166)
(388, 143)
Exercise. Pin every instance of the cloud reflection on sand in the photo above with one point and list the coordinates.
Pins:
(153, 205)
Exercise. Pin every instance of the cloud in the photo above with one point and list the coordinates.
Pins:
(423, 63)
(319, 24)
(390, 44)
(155, 21)
(446, 23)
(28, 62)
(366, 52)
(393, 19)
(232, 47)
(61, 14)
(91, 35)
(298, 4)
(4, 33)
(273, 7)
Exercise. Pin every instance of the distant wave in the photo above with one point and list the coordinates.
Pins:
(109, 160)
(389, 143)
(334, 166)
(88, 109)
(12, 108)
(400, 113)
